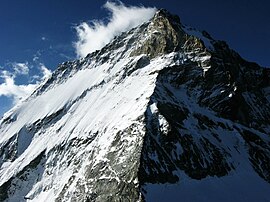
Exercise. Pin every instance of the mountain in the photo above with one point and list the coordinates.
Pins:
(162, 113)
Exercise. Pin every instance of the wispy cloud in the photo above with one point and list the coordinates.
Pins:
(94, 36)
(20, 68)
(46, 73)
(36, 56)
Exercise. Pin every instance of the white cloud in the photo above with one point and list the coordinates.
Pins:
(98, 34)
(20, 68)
(45, 71)
(9, 88)
(18, 92)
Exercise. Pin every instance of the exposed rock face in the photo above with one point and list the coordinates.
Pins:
(166, 36)
(161, 104)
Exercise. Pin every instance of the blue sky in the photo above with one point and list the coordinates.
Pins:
(41, 34)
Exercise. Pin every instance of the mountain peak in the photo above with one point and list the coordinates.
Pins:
(153, 107)
(163, 13)
(164, 34)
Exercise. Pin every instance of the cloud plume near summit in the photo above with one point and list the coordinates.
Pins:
(94, 36)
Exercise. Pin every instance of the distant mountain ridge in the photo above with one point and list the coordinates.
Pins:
(161, 113)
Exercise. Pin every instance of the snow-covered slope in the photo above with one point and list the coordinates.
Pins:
(162, 112)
